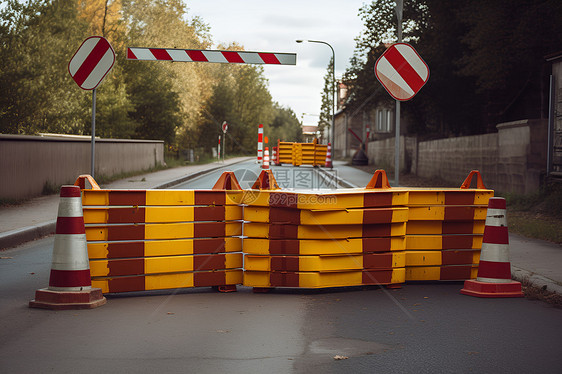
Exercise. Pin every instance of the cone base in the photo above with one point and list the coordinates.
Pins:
(66, 300)
(483, 289)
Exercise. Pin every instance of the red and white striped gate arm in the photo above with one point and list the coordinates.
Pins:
(198, 55)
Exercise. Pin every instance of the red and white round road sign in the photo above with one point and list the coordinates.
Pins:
(224, 127)
(402, 71)
(91, 62)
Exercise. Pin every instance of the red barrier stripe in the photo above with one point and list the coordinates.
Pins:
(370, 231)
(284, 279)
(209, 229)
(209, 262)
(130, 54)
(377, 216)
(495, 235)
(456, 257)
(459, 197)
(456, 241)
(196, 55)
(280, 231)
(403, 67)
(377, 199)
(376, 277)
(455, 272)
(131, 266)
(70, 191)
(459, 213)
(91, 61)
(492, 269)
(207, 246)
(209, 279)
(284, 247)
(457, 227)
(376, 244)
(497, 203)
(377, 261)
(232, 57)
(127, 197)
(70, 225)
(126, 215)
(284, 215)
(209, 213)
(125, 232)
(210, 197)
(126, 284)
(70, 278)
(125, 249)
(269, 58)
(285, 263)
(161, 54)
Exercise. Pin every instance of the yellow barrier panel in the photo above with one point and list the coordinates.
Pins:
(437, 258)
(322, 247)
(436, 242)
(169, 281)
(386, 260)
(265, 279)
(165, 264)
(435, 273)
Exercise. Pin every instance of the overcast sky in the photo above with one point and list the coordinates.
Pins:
(273, 26)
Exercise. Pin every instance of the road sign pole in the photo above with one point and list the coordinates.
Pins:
(399, 7)
(93, 133)
(223, 146)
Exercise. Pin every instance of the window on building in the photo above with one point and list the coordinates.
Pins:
(384, 120)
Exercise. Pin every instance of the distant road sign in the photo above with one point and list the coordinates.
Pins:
(197, 55)
(402, 71)
(224, 127)
(91, 62)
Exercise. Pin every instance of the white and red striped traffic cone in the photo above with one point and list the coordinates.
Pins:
(494, 270)
(329, 156)
(266, 159)
(260, 144)
(274, 156)
(70, 285)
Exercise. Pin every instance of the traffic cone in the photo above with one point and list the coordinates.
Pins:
(274, 156)
(70, 285)
(494, 270)
(266, 159)
(329, 156)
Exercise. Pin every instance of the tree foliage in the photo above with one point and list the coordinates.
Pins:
(486, 60)
(183, 104)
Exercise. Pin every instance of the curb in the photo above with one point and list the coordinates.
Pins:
(535, 280)
(17, 237)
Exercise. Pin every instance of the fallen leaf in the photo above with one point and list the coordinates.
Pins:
(338, 357)
(223, 331)
(171, 313)
(5, 258)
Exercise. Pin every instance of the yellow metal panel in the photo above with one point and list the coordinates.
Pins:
(256, 213)
(97, 250)
(420, 242)
(234, 276)
(234, 197)
(398, 259)
(233, 229)
(256, 230)
(96, 233)
(169, 214)
(425, 197)
(398, 276)
(233, 213)
(482, 196)
(234, 260)
(102, 284)
(349, 216)
(168, 247)
(95, 215)
(257, 263)
(423, 273)
(95, 197)
(423, 258)
(169, 231)
(330, 201)
(99, 268)
(170, 197)
(168, 264)
(165, 281)
(426, 213)
(336, 279)
(256, 279)
(480, 213)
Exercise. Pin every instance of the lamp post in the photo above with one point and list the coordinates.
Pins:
(331, 138)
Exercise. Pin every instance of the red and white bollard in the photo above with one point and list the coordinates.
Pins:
(260, 144)
(266, 159)
(70, 285)
(274, 156)
(494, 270)
(329, 156)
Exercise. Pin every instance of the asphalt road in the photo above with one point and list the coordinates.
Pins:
(420, 328)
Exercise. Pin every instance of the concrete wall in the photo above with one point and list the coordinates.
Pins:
(29, 163)
(512, 160)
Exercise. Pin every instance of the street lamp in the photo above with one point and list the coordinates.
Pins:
(333, 136)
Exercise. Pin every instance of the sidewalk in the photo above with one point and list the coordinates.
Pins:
(37, 217)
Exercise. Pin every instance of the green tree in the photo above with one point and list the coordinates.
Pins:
(285, 126)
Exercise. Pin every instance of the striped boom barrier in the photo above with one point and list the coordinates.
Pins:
(70, 285)
(216, 56)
